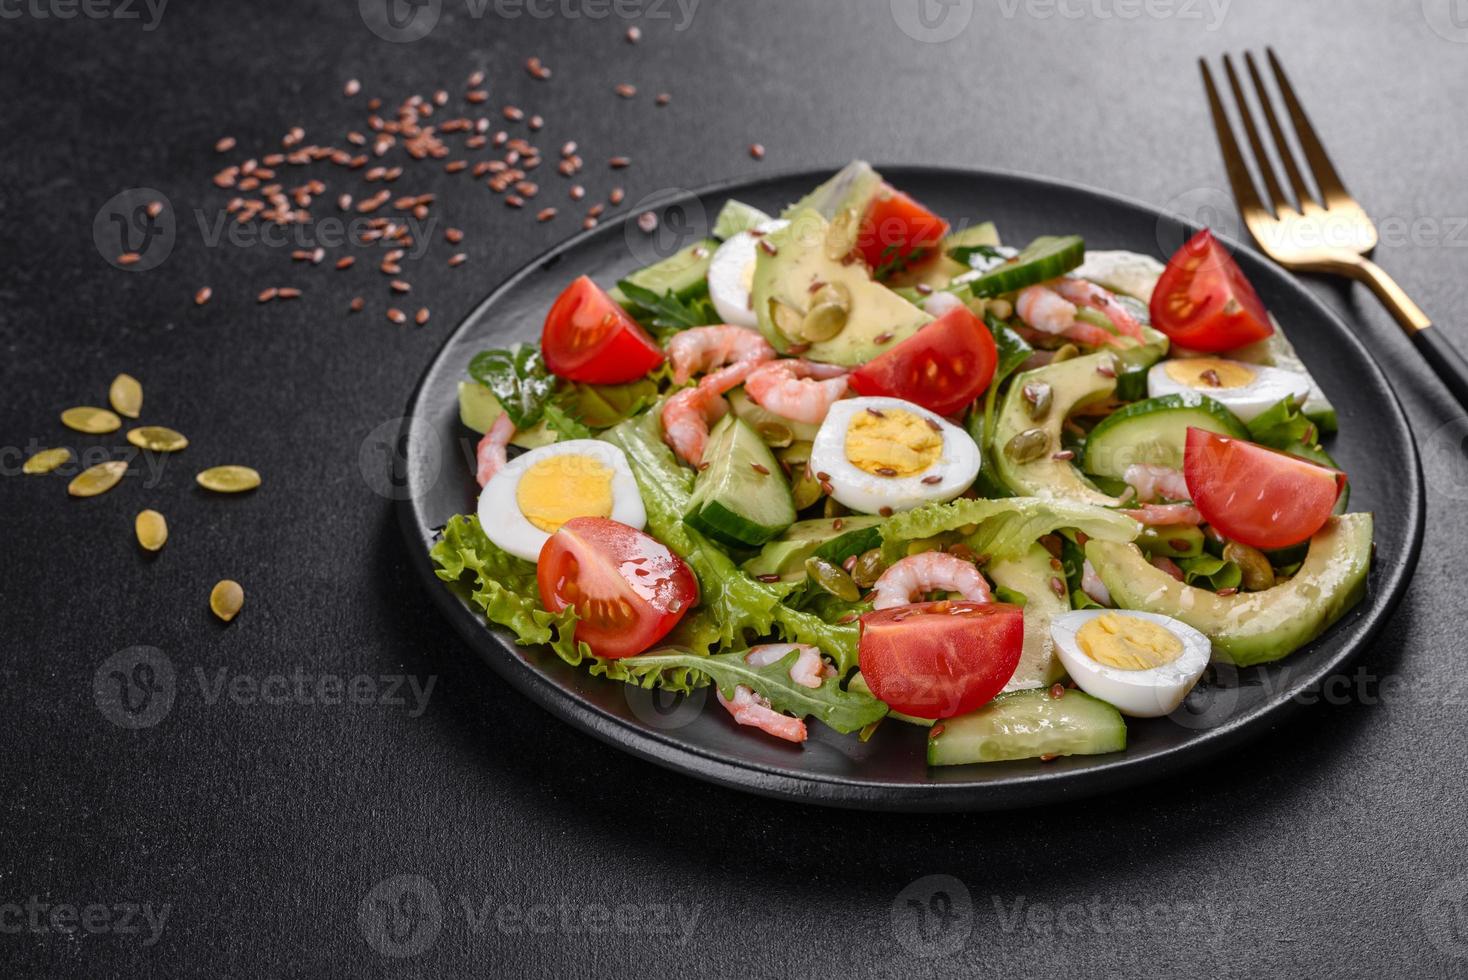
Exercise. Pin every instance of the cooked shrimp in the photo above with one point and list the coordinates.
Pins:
(1046, 310)
(1092, 585)
(1167, 565)
(802, 391)
(1156, 482)
(809, 670)
(748, 708)
(490, 455)
(1083, 292)
(687, 416)
(931, 571)
(1161, 515)
(702, 349)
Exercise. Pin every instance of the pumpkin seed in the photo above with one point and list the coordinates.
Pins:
(1028, 445)
(1257, 573)
(46, 460)
(97, 479)
(228, 479)
(93, 421)
(226, 598)
(1065, 352)
(126, 396)
(157, 438)
(833, 508)
(868, 568)
(841, 234)
(788, 319)
(151, 529)
(1040, 396)
(775, 434)
(832, 578)
(823, 322)
(833, 294)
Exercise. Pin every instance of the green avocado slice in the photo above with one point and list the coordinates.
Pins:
(1250, 627)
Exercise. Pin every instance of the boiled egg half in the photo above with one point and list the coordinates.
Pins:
(883, 455)
(534, 494)
(1247, 390)
(1142, 663)
(731, 275)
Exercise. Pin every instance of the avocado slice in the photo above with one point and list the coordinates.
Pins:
(791, 267)
(1030, 575)
(850, 188)
(1250, 627)
(1073, 383)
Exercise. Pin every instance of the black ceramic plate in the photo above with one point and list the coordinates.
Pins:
(697, 737)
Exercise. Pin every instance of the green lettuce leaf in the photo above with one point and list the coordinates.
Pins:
(1283, 426)
(1007, 527)
(845, 711)
(603, 406)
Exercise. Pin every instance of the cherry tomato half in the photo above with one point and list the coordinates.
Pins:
(1203, 301)
(894, 226)
(1255, 495)
(943, 367)
(588, 337)
(940, 659)
(629, 590)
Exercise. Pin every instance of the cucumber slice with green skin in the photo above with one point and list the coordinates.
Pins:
(742, 497)
(819, 538)
(1043, 259)
(1027, 725)
(684, 273)
(1154, 432)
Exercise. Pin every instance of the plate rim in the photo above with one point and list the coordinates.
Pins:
(1012, 792)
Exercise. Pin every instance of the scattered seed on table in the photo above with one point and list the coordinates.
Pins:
(346, 262)
(536, 123)
(266, 295)
(577, 192)
(513, 113)
(648, 222)
(476, 96)
(398, 286)
(157, 438)
(588, 223)
(97, 479)
(154, 208)
(226, 599)
(568, 149)
(757, 151)
(663, 99)
(224, 144)
(126, 395)
(128, 258)
(151, 528)
(476, 79)
(357, 304)
(616, 196)
(45, 461)
(514, 201)
(458, 258)
(453, 236)
(422, 316)
(454, 166)
(203, 295)
(626, 91)
(289, 292)
(228, 479)
(545, 214)
(352, 87)
(619, 163)
(634, 34)
(396, 315)
(93, 421)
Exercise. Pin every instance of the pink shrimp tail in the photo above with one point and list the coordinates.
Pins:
(1164, 515)
(748, 708)
(491, 453)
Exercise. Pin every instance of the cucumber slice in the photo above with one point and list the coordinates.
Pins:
(741, 498)
(1026, 725)
(1154, 431)
(684, 273)
(1043, 259)
(819, 538)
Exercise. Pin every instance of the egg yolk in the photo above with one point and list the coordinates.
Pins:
(892, 442)
(558, 488)
(1128, 642)
(1209, 372)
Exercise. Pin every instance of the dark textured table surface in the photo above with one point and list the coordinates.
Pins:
(245, 830)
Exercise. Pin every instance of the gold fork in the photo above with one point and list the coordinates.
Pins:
(1330, 233)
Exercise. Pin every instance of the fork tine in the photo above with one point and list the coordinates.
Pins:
(1281, 145)
(1261, 158)
(1233, 159)
(1326, 178)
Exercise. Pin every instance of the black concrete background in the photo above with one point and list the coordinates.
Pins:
(271, 834)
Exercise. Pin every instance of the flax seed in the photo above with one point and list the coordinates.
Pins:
(536, 123)
(513, 113)
(457, 259)
(757, 151)
(398, 286)
(351, 88)
(476, 96)
(634, 34)
(577, 192)
(663, 99)
(266, 295)
(588, 222)
(203, 296)
(514, 201)
(357, 304)
(396, 315)
(648, 222)
(475, 80)
(619, 163)
(626, 91)
(454, 166)
(545, 214)
(289, 292)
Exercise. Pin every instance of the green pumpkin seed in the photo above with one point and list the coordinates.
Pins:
(777, 435)
(151, 529)
(226, 599)
(97, 479)
(832, 578)
(157, 438)
(1028, 446)
(788, 319)
(1257, 573)
(841, 234)
(93, 421)
(868, 568)
(1039, 395)
(126, 396)
(823, 322)
(46, 460)
(228, 479)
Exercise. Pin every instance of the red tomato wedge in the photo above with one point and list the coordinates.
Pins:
(943, 367)
(1204, 302)
(895, 226)
(629, 590)
(588, 337)
(1255, 495)
(940, 659)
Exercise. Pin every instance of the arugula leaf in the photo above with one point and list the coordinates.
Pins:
(519, 380)
(1007, 527)
(1283, 426)
(567, 425)
(667, 314)
(845, 711)
(1210, 572)
(892, 261)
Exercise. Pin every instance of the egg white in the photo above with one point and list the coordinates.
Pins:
(730, 273)
(958, 462)
(1138, 693)
(1271, 385)
(499, 510)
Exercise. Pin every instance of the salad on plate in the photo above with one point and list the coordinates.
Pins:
(855, 465)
